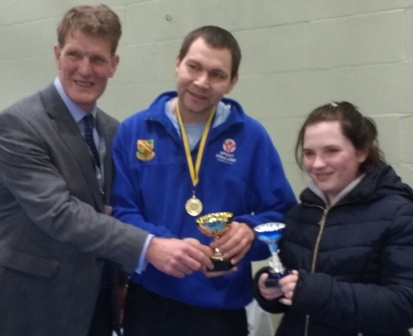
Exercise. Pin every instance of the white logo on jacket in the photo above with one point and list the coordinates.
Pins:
(226, 155)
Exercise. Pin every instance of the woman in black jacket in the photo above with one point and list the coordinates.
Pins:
(349, 243)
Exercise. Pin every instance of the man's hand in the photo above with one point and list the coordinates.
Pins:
(178, 257)
(196, 243)
(207, 250)
(236, 242)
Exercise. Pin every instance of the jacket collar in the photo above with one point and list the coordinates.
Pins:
(380, 182)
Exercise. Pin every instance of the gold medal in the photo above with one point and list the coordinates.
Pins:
(193, 206)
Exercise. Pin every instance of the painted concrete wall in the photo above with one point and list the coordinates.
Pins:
(297, 55)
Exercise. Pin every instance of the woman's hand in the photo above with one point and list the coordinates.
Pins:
(287, 285)
(284, 291)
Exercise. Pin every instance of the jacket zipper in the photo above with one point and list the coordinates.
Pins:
(315, 254)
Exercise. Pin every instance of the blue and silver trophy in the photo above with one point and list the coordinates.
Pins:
(270, 233)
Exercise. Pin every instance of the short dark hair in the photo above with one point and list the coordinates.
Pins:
(216, 37)
(360, 130)
(99, 21)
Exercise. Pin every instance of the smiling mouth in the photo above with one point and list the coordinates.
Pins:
(322, 176)
(197, 95)
(84, 84)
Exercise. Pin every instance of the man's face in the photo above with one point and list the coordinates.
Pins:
(85, 64)
(203, 77)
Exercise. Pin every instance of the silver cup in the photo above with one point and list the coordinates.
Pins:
(270, 233)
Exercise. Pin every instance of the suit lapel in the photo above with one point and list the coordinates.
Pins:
(69, 133)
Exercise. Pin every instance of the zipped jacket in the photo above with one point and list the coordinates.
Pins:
(240, 173)
(355, 261)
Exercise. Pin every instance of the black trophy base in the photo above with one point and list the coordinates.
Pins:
(273, 278)
(221, 265)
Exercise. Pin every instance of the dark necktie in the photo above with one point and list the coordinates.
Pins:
(89, 121)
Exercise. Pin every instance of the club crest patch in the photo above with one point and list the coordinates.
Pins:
(145, 149)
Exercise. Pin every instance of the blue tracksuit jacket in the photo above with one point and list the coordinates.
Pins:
(241, 172)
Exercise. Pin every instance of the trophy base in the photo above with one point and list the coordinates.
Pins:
(273, 278)
(221, 265)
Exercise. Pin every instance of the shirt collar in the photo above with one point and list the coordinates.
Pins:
(76, 112)
(222, 113)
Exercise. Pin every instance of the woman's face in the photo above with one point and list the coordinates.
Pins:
(329, 158)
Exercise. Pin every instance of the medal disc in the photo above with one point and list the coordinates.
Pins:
(193, 206)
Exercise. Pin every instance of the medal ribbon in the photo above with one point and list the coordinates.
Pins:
(194, 171)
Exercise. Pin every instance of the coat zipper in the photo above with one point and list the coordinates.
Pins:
(315, 254)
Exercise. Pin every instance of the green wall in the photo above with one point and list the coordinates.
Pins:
(297, 55)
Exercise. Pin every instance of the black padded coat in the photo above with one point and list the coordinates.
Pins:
(359, 279)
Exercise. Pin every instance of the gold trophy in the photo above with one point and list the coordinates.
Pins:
(215, 225)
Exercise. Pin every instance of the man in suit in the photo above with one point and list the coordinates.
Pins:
(56, 232)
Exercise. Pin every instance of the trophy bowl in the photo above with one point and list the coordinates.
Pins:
(270, 233)
(215, 225)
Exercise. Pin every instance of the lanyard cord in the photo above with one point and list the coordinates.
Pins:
(194, 171)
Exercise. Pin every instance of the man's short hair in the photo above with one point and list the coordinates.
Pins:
(98, 21)
(216, 37)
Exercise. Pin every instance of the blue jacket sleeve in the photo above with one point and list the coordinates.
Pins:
(271, 195)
